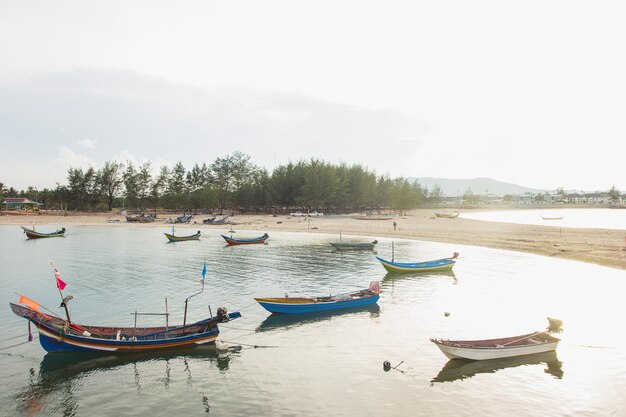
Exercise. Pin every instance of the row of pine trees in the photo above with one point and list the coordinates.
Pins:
(230, 182)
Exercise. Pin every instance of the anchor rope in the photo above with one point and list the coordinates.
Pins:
(19, 344)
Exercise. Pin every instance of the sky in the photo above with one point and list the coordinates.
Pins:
(531, 93)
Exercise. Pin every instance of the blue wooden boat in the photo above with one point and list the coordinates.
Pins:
(427, 266)
(57, 334)
(298, 305)
(60, 335)
(231, 241)
(173, 238)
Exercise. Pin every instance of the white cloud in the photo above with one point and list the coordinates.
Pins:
(67, 158)
(87, 143)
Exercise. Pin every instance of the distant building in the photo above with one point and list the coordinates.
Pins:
(21, 204)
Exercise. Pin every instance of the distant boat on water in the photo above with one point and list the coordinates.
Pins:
(353, 245)
(231, 241)
(33, 234)
(173, 238)
(552, 218)
(447, 215)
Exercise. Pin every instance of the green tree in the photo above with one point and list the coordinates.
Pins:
(109, 180)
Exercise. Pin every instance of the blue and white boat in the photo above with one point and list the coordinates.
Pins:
(444, 264)
(299, 305)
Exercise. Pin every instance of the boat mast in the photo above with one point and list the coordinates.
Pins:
(63, 300)
(187, 300)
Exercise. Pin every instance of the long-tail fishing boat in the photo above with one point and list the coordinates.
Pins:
(506, 347)
(173, 238)
(231, 241)
(216, 221)
(33, 234)
(58, 334)
(443, 264)
(296, 305)
(341, 245)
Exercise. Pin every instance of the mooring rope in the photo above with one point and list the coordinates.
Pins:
(19, 344)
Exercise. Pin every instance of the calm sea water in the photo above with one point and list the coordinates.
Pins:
(328, 364)
(585, 218)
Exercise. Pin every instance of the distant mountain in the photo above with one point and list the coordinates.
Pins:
(453, 187)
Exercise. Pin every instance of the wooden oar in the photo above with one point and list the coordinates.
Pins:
(523, 338)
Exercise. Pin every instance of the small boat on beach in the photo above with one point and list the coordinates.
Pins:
(447, 215)
(506, 347)
(231, 241)
(214, 220)
(443, 264)
(58, 334)
(298, 305)
(173, 238)
(185, 218)
(33, 234)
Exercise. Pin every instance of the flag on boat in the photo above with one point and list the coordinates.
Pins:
(34, 305)
(203, 272)
(60, 283)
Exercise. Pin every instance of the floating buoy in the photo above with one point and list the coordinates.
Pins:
(386, 366)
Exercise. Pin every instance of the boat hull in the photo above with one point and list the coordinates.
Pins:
(57, 335)
(353, 246)
(55, 342)
(173, 238)
(429, 266)
(31, 234)
(233, 242)
(299, 308)
(528, 344)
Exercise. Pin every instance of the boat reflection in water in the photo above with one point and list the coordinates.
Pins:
(285, 321)
(56, 387)
(391, 276)
(465, 368)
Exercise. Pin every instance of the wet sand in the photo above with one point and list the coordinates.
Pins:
(598, 246)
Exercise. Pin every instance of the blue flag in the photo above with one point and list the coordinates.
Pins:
(203, 272)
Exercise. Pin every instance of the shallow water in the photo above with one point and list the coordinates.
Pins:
(580, 218)
(329, 364)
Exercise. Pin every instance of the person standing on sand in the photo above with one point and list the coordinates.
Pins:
(394, 225)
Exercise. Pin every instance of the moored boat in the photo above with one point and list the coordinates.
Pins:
(551, 218)
(447, 215)
(57, 334)
(505, 347)
(173, 238)
(298, 305)
(354, 245)
(231, 241)
(33, 234)
(443, 264)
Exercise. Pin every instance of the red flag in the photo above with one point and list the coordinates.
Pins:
(60, 284)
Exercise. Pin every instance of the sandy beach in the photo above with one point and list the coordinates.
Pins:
(598, 246)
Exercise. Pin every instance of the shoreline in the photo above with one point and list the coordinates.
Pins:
(598, 246)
